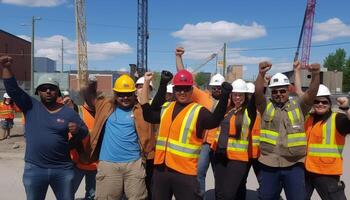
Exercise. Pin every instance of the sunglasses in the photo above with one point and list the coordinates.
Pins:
(44, 88)
(182, 89)
(124, 94)
(324, 102)
(281, 91)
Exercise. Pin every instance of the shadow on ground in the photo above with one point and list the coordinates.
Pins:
(251, 195)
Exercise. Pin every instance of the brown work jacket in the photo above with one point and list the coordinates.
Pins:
(104, 108)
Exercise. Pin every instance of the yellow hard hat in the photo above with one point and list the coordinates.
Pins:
(124, 84)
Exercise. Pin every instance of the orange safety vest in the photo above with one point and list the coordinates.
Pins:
(177, 144)
(7, 111)
(325, 147)
(254, 139)
(237, 149)
(89, 121)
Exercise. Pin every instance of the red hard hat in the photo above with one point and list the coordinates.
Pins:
(183, 78)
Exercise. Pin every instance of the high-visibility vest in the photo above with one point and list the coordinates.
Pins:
(177, 144)
(325, 147)
(7, 111)
(254, 139)
(211, 134)
(269, 133)
(89, 121)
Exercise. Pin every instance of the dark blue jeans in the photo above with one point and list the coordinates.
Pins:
(90, 182)
(36, 181)
(273, 179)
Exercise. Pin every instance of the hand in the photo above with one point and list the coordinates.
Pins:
(73, 128)
(226, 88)
(148, 76)
(166, 77)
(297, 65)
(179, 51)
(314, 68)
(6, 61)
(343, 102)
(264, 67)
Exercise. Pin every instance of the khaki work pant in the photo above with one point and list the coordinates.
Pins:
(114, 179)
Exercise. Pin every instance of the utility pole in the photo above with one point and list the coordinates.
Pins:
(62, 57)
(224, 62)
(32, 56)
(142, 36)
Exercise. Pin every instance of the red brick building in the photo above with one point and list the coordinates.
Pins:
(20, 50)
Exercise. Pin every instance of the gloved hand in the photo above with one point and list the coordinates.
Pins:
(226, 88)
(165, 77)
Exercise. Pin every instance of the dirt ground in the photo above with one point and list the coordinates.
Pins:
(11, 170)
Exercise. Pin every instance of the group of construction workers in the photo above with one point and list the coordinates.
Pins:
(132, 146)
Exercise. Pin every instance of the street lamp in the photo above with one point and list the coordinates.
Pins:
(32, 56)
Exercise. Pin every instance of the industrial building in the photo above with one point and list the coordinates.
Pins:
(44, 64)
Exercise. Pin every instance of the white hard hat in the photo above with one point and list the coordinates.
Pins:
(142, 81)
(239, 85)
(7, 96)
(216, 80)
(169, 88)
(323, 91)
(251, 87)
(279, 79)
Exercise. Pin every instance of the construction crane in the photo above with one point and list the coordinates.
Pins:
(208, 59)
(142, 37)
(306, 34)
(80, 20)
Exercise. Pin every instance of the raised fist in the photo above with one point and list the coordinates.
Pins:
(179, 51)
(343, 102)
(148, 76)
(297, 65)
(226, 88)
(314, 68)
(264, 67)
(166, 77)
(6, 61)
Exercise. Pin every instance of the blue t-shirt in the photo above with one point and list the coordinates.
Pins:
(120, 140)
(46, 133)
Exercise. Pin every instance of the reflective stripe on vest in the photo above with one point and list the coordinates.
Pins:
(256, 140)
(182, 146)
(294, 139)
(242, 143)
(328, 148)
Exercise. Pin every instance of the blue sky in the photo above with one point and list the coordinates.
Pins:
(200, 26)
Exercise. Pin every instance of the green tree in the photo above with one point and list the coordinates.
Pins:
(335, 61)
(346, 76)
(200, 79)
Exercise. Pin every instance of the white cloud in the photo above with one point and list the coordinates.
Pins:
(330, 29)
(204, 38)
(51, 47)
(34, 3)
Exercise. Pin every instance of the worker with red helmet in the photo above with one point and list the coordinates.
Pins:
(182, 124)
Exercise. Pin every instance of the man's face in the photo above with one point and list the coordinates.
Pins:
(216, 92)
(321, 105)
(183, 94)
(48, 93)
(238, 99)
(280, 94)
(125, 99)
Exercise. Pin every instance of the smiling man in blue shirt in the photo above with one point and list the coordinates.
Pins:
(47, 159)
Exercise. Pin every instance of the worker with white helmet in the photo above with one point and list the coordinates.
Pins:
(282, 134)
(169, 97)
(209, 101)
(7, 113)
(326, 131)
(232, 137)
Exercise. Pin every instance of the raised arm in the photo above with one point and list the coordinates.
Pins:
(309, 96)
(179, 51)
(145, 88)
(260, 100)
(297, 78)
(20, 97)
